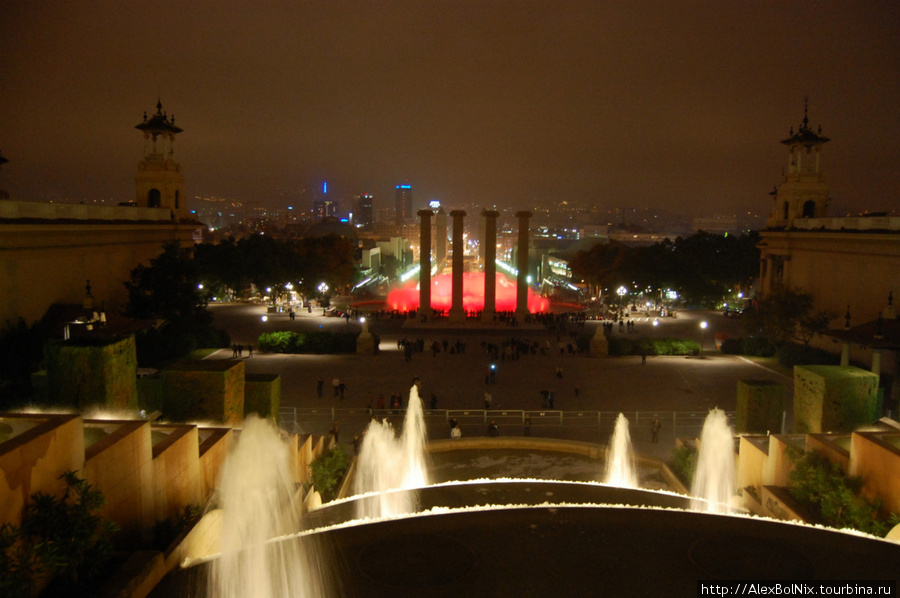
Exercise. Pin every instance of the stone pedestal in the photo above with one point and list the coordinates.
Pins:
(599, 344)
(833, 398)
(93, 372)
(262, 394)
(209, 389)
(365, 342)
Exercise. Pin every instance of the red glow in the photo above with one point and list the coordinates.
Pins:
(406, 298)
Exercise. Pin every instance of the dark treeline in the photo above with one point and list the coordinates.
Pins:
(703, 268)
(267, 263)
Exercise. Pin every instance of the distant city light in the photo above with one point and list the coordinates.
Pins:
(324, 187)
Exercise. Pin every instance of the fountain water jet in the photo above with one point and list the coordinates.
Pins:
(387, 463)
(714, 479)
(620, 469)
(259, 502)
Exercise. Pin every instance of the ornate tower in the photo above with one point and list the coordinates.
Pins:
(803, 192)
(159, 182)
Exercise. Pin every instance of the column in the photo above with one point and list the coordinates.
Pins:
(490, 265)
(457, 313)
(424, 265)
(522, 267)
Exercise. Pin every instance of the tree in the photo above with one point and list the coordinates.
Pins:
(601, 265)
(222, 268)
(21, 351)
(786, 315)
(168, 290)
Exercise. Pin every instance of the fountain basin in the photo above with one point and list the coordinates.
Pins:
(585, 551)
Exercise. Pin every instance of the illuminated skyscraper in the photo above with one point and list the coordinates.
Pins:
(364, 215)
(323, 207)
(403, 211)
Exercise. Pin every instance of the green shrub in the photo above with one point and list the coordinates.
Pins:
(166, 531)
(821, 487)
(794, 354)
(60, 538)
(328, 471)
(619, 346)
(756, 346)
(316, 341)
(684, 464)
(732, 346)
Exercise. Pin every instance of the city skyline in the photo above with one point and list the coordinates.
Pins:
(671, 106)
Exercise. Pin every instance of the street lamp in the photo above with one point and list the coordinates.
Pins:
(621, 293)
(703, 326)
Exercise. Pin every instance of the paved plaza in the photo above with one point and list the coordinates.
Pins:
(609, 385)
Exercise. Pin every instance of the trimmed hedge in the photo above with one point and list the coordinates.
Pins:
(793, 354)
(755, 346)
(619, 346)
(788, 355)
(316, 341)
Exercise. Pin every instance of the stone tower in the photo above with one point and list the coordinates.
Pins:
(803, 192)
(159, 181)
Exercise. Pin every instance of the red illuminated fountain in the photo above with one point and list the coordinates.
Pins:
(406, 298)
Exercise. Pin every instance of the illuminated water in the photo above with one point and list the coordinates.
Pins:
(620, 468)
(259, 500)
(387, 462)
(714, 480)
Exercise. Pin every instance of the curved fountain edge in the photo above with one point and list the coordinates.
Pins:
(574, 447)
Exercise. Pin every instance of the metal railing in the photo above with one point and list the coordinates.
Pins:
(315, 420)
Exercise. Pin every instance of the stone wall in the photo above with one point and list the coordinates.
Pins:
(754, 452)
(830, 447)
(875, 457)
(32, 460)
(120, 465)
(214, 446)
(176, 470)
(49, 262)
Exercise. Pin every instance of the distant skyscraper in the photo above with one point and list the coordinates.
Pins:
(364, 215)
(403, 211)
(323, 206)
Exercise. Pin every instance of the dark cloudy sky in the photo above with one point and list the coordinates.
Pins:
(654, 103)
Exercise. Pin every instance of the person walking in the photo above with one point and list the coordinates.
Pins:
(654, 430)
(334, 431)
(319, 384)
(487, 400)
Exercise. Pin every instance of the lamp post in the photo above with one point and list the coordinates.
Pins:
(703, 326)
(621, 292)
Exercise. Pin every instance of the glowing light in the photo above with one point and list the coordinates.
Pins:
(265, 318)
(406, 298)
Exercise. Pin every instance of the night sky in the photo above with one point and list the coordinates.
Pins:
(664, 104)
